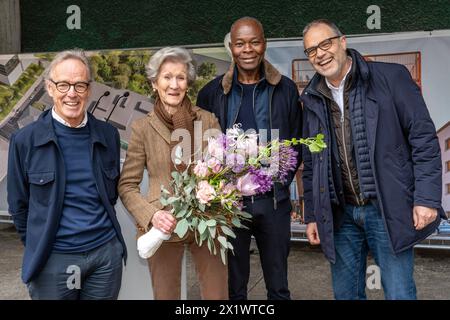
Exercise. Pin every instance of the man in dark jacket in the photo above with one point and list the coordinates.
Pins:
(254, 94)
(63, 172)
(377, 187)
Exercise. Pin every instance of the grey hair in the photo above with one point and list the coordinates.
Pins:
(172, 54)
(226, 43)
(77, 54)
(327, 22)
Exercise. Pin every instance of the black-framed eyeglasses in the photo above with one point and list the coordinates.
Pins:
(324, 45)
(64, 86)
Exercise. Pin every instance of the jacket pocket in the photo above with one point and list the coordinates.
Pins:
(41, 186)
(111, 179)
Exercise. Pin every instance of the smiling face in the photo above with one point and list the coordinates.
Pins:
(171, 83)
(331, 63)
(247, 45)
(70, 106)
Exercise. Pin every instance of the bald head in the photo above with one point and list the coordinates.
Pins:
(247, 21)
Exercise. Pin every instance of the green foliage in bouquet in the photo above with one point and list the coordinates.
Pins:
(211, 224)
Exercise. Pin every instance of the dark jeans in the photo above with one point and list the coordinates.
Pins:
(362, 230)
(91, 275)
(271, 229)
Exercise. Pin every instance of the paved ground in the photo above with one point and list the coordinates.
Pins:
(309, 274)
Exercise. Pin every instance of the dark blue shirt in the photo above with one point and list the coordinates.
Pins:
(246, 115)
(84, 223)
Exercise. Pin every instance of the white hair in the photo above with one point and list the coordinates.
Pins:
(172, 54)
(226, 43)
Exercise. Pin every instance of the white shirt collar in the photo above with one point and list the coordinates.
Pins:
(64, 122)
(341, 85)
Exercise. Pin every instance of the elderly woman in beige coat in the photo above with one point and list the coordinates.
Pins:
(170, 71)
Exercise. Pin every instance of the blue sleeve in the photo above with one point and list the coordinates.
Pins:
(17, 190)
(421, 134)
(307, 176)
(295, 125)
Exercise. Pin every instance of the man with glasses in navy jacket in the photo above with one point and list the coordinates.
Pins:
(63, 171)
(377, 187)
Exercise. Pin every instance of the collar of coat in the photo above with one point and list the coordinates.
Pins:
(272, 75)
(159, 126)
(46, 133)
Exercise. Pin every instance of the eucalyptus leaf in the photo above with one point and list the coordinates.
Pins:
(181, 228)
(209, 246)
(245, 214)
(181, 213)
(194, 222)
(163, 201)
(228, 231)
(172, 200)
(223, 256)
(236, 222)
(201, 227)
(188, 189)
(211, 223)
(212, 231)
(204, 236)
(223, 241)
(220, 218)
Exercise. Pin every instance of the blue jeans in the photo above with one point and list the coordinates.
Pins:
(362, 230)
(91, 275)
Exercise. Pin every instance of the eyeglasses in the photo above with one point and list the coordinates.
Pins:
(63, 86)
(324, 45)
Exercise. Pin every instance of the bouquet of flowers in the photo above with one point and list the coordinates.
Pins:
(206, 198)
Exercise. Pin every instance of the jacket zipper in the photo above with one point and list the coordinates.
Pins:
(346, 158)
(270, 128)
(239, 108)
(253, 105)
